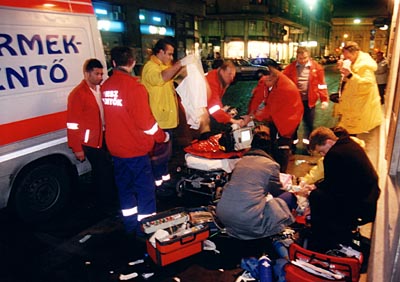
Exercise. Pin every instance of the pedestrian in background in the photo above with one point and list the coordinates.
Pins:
(359, 109)
(217, 62)
(131, 132)
(277, 103)
(85, 131)
(158, 77)
(381, 74)
(309, 77)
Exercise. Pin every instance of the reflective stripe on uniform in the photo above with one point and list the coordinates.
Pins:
(129, 212)
(152, 130)
(72, 125)
(141, 216)
(166, 177)
(285, 147)
(322, 86)
(213, 109)
(87, 134)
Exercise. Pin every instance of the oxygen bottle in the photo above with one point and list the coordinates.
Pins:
(265, 269)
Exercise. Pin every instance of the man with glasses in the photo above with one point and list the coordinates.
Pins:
(347, 195)
(309, 77)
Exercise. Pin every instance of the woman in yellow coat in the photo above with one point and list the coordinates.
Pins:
(359, 108)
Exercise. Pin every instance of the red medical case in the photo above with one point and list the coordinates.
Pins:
(349, 267)
(178, 245)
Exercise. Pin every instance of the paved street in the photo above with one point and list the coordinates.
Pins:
(57, 251)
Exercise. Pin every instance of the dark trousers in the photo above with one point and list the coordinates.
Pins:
(160, 157)
(332, 222)
(103, 176)
(135, 181)
(382, 88)
(308, 121)
(281, 148)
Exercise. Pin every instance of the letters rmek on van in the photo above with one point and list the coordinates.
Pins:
(53, 44)
(14, 76)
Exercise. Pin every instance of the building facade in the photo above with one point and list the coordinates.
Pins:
(244, 28)
(139, 24)
(265, 28)
(371, 33)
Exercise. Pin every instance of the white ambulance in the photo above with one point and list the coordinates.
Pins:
(43, 45)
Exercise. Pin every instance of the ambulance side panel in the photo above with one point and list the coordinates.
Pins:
(41, 57)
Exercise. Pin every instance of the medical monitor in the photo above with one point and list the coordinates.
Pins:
(243, 137)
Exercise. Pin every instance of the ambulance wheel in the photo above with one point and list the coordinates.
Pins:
(180, 187)
(41, 193)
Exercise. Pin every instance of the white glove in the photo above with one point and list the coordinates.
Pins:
(189, 59)
(324, 105)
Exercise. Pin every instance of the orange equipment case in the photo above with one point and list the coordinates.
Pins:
(347, 266)
(178, 247)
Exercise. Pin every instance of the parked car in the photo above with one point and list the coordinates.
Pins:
(247, 70)
(331, 59)
(266, 62)
(325, 60)
(321, 60)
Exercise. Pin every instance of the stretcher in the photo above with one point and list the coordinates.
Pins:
(205, 176)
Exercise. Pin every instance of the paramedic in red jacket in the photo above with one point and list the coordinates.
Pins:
(276, 102)
(85, 125)
(309, 77)
(218, 81)
(131, 131)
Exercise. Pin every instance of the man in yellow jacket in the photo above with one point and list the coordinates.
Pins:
(359, 107)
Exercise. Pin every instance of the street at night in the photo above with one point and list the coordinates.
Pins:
(81, 245)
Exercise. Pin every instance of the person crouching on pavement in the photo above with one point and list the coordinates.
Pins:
(348, 194)
(253, 204)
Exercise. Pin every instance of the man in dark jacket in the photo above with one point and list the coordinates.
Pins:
(348, 194)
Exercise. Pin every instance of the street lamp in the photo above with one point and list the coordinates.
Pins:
(310, 4)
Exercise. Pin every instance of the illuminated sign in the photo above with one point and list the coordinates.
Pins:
(160, 30)
(114, 26)
(309, 43)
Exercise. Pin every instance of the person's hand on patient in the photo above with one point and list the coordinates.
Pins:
(305, 189)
